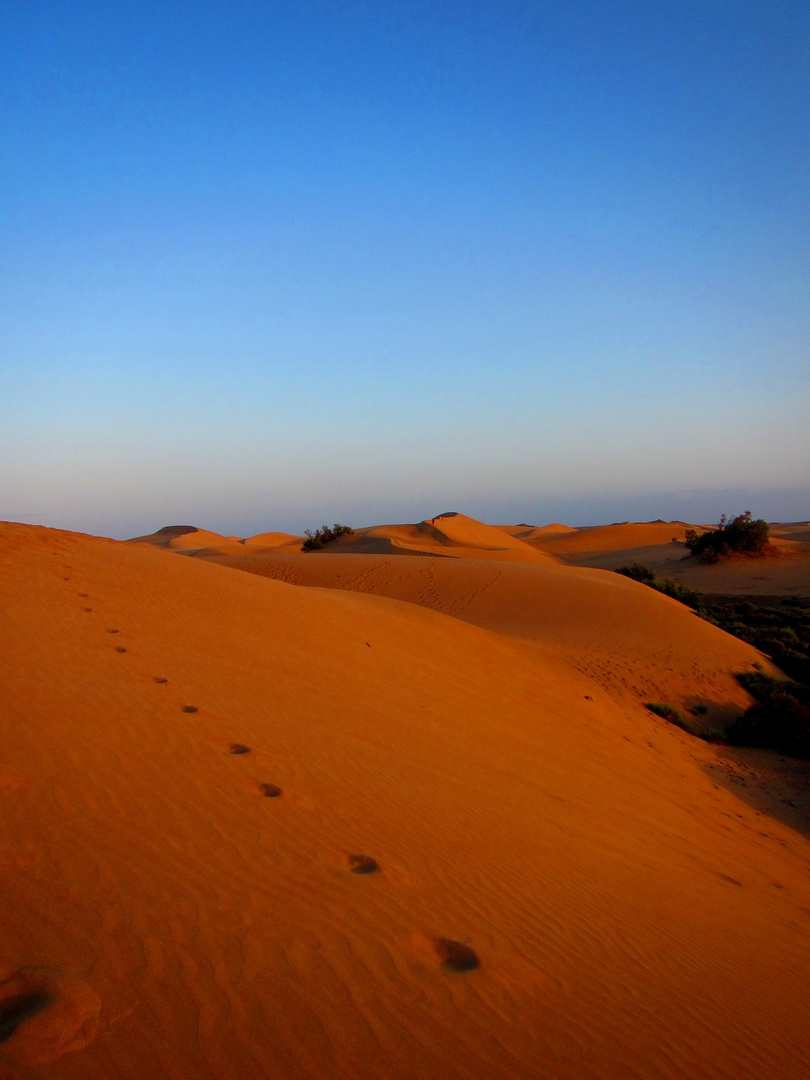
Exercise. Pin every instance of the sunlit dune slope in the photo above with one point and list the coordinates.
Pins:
(783, 570)
(185, 538)
(449, 534)
(536, 532)
(274, 540)
(637, 644)
(621, 537)
(561, 890)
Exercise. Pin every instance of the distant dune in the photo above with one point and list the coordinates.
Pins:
(637, 644)
(184, 538)
(257, 829)
(659, 545)
(449, 534)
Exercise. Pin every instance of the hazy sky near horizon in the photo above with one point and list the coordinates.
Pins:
(270, 264)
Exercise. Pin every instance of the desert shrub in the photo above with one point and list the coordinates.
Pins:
(793, 663)
(780, 628)
(325, 535)
(678, 591)
(668, 713)
(639, 572)
(713, 735)
(699, 710)
(780, 719)
(741, 534)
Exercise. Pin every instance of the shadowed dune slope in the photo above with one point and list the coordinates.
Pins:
(635, 643)
(258, 831)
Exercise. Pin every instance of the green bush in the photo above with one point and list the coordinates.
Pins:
(315, 541)
(741, 534)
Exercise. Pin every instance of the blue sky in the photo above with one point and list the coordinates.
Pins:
(270, 264)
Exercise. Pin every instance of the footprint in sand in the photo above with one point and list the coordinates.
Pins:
(363, 864)
(239, 748)
(160, 680)
(455, 955)
(112, 631)
(189, 708)
(43, 1017)
(87, 609)
(18, 1007)
(120, 648)
(272, 791)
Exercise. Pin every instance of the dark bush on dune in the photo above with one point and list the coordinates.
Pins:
(780, 720)
(779, 627)
(315, 541)
(741, 534)
(639, 572)
(668, 713)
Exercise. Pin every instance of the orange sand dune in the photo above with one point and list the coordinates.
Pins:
(449, 534)
(637, 644)
(191, 540)
(186, 538)
(784, 570)
(622, 537)
(536, 532)
(275, 540)
(255, 831)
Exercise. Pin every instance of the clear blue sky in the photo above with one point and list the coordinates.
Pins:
(269, 264)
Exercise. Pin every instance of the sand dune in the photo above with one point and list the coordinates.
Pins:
(659, 545)
(622, 537)
(185, 538)
(637, 644)
(450, 534)
(274, 540)
(536, 532)
(261, 831)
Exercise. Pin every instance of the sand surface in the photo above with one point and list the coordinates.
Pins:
(257, 829)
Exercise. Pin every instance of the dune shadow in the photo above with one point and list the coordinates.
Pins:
(771, 783)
